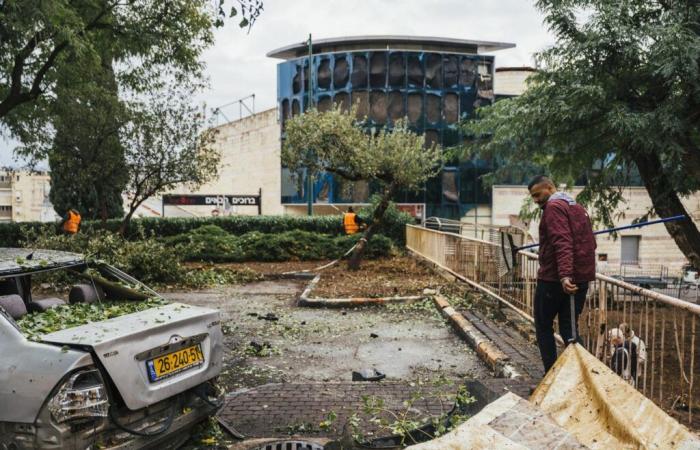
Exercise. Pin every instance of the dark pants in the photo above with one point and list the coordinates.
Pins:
(551, 301)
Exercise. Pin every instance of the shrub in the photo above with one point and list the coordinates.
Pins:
(148, 260)
(215, 245)
(13, 234)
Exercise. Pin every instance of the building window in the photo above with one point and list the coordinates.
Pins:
(629, 250)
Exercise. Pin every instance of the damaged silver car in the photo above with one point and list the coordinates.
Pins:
(137, 380)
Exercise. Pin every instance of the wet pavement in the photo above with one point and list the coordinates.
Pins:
(270, 340)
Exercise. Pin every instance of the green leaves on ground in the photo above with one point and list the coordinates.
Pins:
(159, 261)
(148, 260)
(68, 316)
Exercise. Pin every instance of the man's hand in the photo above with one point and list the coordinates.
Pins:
(568, 286)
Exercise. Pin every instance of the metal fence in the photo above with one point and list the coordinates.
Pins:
(663, 363)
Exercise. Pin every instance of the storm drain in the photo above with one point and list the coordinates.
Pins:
(289, 445)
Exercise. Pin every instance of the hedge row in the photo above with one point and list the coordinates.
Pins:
(213, 244)
(12, 234)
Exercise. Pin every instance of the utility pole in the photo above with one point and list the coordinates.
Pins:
(309, 180)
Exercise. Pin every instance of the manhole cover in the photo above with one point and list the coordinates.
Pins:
(288, 445)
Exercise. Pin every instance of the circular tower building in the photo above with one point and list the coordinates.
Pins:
(433, 82)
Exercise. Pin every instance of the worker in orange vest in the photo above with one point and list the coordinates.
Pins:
(71, 222)
(351, 222)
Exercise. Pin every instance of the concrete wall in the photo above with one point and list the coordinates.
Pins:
(250, 160)
(656, 247)
(24, 196)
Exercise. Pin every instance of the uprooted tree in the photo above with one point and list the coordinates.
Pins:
(336, 142)
(619, 92)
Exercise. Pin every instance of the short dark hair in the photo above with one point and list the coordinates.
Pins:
(539, 179)
(350, 209)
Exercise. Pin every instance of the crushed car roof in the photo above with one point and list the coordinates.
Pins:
(26, 260)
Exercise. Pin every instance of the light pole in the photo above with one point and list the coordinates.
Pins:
(309, 180)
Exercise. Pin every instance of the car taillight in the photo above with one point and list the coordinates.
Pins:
(83, 396)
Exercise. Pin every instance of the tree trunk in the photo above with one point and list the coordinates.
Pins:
(103, 209)
(125, 222)
(666, 204)
(377, 217)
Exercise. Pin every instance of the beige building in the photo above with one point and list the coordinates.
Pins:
(250, 164)
(511, 81)
(24, 196)
(648, 247)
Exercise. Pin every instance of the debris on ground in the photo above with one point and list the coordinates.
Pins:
(384, 277)
(269, 316)
(367, 375)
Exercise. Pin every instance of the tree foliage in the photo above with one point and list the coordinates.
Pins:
(619, 92)
(169, 143)
(150, 40)
(87, 160)
(335, 142)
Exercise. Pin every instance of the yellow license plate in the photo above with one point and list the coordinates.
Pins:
(173, 363)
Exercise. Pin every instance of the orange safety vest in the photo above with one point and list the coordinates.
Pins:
(71, 225)
(349, 223)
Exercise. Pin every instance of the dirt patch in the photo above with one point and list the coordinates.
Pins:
(398, 276)
(266, 268)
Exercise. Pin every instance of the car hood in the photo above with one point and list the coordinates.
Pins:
(125, 344)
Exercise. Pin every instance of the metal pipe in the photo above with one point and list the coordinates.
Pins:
(625, 227)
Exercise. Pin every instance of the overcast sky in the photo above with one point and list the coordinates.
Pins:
(237, 65)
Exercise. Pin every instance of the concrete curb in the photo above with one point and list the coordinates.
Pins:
(305, 300)
(498, 361)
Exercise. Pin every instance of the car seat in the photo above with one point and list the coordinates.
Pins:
(43, 304)
(86, 293)
(13, 305)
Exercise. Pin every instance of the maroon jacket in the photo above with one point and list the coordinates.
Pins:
(567, 244)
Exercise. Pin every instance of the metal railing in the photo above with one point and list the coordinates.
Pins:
(663, 363)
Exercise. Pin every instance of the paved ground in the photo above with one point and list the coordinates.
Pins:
(522, 352)
(302, 347)
(265, 411)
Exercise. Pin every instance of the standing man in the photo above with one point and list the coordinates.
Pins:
(351, 222)
(567, 264)
(71, 222)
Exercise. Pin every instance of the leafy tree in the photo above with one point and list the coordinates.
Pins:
(335, 142)
(88, 167)
(151, 40)
(168, 143)
(619, 92)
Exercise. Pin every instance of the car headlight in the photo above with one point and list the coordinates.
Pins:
(83, 396)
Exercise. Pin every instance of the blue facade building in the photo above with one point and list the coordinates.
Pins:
(433, 82)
